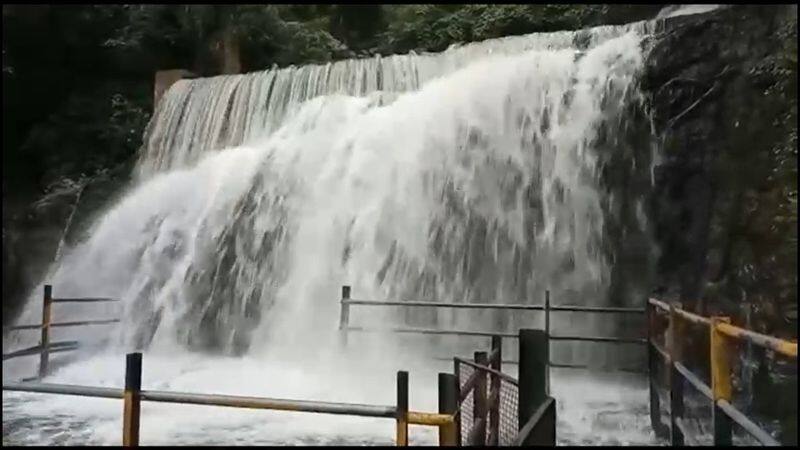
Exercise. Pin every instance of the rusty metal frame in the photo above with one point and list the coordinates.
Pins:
(722, 335)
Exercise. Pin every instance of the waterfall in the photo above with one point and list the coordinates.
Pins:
(471, 175)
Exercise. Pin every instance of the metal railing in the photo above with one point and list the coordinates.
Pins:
(486, 417)
(45, 347)
(133, 395)
(722, 336)
(537, 409)
(346, 302)
(496, 409)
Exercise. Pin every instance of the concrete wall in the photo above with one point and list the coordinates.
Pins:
(165, 79)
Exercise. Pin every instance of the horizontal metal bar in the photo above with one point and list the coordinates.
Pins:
(505, 306)
(69, 348)
(86, 322)
(603, 369)
(432, 419)
(271, 404)
(490, 334)
(24, 352)
(664, 355)
(450, 359)
(478, 367)
(23, 327)
(64, 389)
(84, 300)
(414, 417)
(658, 304)
(748, 425)
(446, 305)
(599, 339)
(512, 362)
(694, 380)
(598, 309)
(532, 422)
(691, 317)
(36, 349)
(62, 344)
(781, 346)
(434, 332)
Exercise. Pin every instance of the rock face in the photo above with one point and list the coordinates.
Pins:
(723, 91)
(30, 239)
(35, 234)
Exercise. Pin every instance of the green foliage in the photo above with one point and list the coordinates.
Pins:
(69, 146)
(60, 62)
(434, 28)
(268, 36)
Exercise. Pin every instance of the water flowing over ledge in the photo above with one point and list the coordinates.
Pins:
(213, 113)
(470, 175)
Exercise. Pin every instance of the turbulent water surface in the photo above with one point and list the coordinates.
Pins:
(467, 176)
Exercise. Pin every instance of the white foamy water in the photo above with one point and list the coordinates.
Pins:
(467, 176)
(613, 415)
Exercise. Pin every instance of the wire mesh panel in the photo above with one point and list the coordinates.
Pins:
(508, 406)
(466, 407)
(509, 412)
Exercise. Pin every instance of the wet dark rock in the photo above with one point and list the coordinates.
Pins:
(706, 76)
(32, 232)
(723, 90)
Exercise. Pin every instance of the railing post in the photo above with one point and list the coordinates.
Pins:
(479, 410)
(132, 398)
(675, 378)
(494, 410)
(533, 358)
(457, 374)
(495, 383)
(547, 333)
(402, 409)
(747, 368)
(652, 374)
(47, 306)
(720, 382)
(344, 314)
(448, 404)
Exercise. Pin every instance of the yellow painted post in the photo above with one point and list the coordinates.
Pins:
(132, 399)
(448, 404)
(402, 409)
(653, 373)
(720, 381)
(675, 378)
(44, 356)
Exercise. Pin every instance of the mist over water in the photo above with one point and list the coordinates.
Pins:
(467, 176)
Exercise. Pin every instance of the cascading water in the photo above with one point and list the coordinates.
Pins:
(470, 175)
